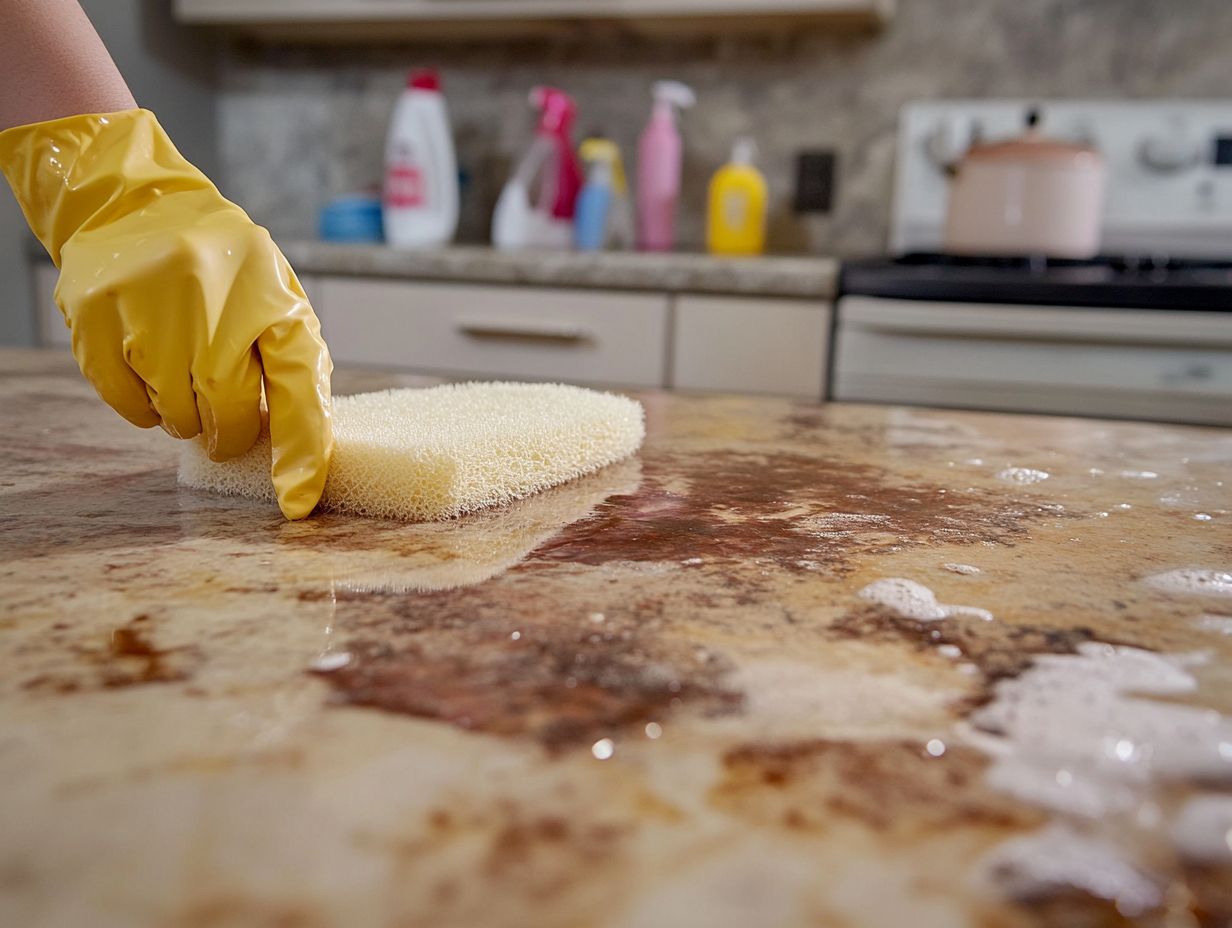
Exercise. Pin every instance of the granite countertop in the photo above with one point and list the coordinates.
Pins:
(804, 277)
(792, 665)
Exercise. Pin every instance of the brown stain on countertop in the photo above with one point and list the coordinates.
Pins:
(452, 655)
(784, 507)
(129, 658)
(894, 788)
(510, 666)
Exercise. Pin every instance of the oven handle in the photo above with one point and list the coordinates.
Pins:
(1051, 324)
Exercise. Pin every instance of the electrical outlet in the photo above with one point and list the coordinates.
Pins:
(815, 172)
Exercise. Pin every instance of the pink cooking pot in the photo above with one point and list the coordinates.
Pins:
(1030, 195)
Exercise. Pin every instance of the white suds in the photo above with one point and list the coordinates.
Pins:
(1067, 735)
(1058, 857)
(1193, 580)
(965, 569)
(1022, 475)
(1202, 831)
(328, 663)
(1215, 623)
(916, 601)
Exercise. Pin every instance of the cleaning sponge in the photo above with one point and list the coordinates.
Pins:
(427, 454)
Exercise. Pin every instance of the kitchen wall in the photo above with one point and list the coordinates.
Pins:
(300, 125)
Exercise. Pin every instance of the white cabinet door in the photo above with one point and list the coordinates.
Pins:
(751, 345)
(492, 331)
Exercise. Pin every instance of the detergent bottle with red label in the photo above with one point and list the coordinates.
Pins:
(420, 203)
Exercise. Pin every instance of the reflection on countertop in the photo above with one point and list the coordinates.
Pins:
(794, 664)
(815, 277)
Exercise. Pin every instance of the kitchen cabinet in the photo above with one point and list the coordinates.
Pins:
(540, 333)
(750, 345)
(383, 20)
(745, 344)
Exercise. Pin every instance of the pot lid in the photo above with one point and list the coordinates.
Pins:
(1030, 146)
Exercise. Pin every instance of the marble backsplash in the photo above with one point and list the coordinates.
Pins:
(300, 125)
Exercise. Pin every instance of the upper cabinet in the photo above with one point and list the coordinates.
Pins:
(357, 20)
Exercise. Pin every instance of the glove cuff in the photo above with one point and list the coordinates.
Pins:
(77, 172)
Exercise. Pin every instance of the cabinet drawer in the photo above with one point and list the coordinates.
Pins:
(751, 346)
(521, 332)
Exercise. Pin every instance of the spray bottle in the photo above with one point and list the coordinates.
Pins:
(550, 169)
(604, 218)
(421, 172)
(736, 218)
(658, 168)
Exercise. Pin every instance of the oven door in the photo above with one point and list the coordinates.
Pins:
(1167, 365)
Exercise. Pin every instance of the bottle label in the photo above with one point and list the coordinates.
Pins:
(735, 210)
(404, 186)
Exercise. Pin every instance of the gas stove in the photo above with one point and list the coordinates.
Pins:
(1143, 332)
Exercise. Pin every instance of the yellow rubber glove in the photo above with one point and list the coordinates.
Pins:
(179, 305)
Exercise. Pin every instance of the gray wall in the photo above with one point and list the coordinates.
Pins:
(300, 125)
(171, 70)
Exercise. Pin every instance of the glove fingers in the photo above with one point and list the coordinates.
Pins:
(176, 404)
(297, 368)
(230, 410)
(103, 363)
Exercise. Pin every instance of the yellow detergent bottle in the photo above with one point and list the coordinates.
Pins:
(736, 222)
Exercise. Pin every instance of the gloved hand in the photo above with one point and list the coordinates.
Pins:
(179, 305)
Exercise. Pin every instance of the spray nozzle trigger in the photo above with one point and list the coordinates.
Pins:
(556, 109)
(674, 93)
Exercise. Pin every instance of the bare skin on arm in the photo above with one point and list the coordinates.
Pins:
(53, 64)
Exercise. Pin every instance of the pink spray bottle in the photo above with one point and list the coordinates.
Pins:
(659, 156)
(549, 176)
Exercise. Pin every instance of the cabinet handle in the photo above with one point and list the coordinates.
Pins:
(527, 332)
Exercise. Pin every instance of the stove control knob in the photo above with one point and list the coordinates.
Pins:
(1169, 154)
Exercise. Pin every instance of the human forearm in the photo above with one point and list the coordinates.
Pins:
(53, 64)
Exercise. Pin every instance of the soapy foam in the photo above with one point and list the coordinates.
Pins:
(423, 455)
(1022, 475)
(1067, 734)
(1193, 580)
(1202, 831)
(1215, 623)
(1073, 735)
(916, 601)
(1058, 857)
(965, 569)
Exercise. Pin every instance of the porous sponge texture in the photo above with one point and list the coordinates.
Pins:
(427, 454)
